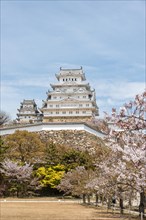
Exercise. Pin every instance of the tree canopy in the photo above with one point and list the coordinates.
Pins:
(24, 146)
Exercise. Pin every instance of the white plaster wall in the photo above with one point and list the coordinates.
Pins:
(52, 127)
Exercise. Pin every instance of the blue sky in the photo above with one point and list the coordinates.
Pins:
(106, 38)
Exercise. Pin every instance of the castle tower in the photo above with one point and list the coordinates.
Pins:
(28, 112)
(71, 99)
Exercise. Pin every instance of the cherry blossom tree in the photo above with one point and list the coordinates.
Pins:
(74, 182)
(123, 171)
(127, 141)
(17, 178)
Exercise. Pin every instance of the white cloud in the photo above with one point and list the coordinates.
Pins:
(119, 90)
(116, 94)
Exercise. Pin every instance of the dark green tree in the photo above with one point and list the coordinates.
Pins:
(74, 158)
(54, 153)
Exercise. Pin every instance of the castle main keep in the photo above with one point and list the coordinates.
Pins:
(71, 99)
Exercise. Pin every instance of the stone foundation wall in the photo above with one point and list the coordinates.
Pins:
(81, 140)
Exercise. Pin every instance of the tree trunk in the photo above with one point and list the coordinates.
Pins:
(121, 205)
(130, 205)
(84, 198)
(96, 199)
(109, 201)
(88, 197)
(141, 205)
(102, 200)
(121, 200)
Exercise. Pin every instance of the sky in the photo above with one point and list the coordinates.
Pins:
(106, 38)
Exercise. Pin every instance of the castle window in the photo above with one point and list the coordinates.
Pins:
(57, 105)
(72, 79)
(63, 112)
(84, 97)
(77, 112)
(75, 79)
(80, 105)
(87, 104)
(70, 112)
(84, 112)
(63, 79)
(51, 106)
(57, 113)
(66, 79)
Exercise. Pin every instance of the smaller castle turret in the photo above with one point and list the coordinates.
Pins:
(28, 112)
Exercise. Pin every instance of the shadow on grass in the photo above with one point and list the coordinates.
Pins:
(111, 214)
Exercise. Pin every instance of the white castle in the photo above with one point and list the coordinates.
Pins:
(28, 112)
(71, 99)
